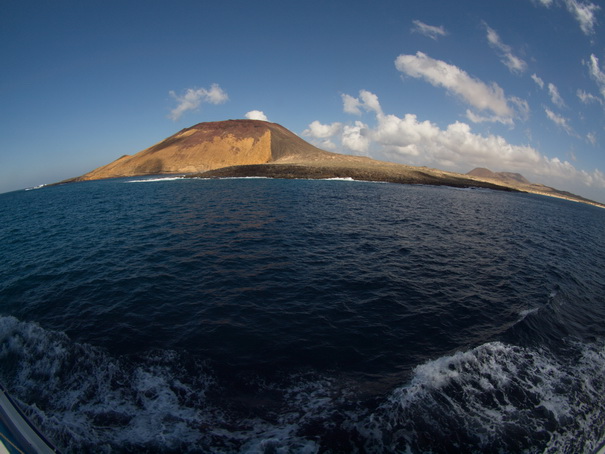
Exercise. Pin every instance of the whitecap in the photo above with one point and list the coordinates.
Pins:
(497, 397)
(153, 180)
(524, 313)
(85, 399)
(36, 187)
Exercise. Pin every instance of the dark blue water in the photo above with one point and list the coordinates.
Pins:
(255, 315)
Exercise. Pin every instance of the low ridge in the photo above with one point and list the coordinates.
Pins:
(518, 182)
(505, 177)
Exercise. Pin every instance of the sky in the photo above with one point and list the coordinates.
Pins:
(510, 85)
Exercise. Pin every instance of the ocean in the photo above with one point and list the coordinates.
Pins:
(276, 316)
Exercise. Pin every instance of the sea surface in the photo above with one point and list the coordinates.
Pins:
(277, 316)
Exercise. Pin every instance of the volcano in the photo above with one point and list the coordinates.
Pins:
(212, 145)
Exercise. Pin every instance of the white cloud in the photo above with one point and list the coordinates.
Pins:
(511, 61)
(555, 97)
(430, 31)
(327, 144)
(256, 115)
(537, 80)
(369, 101)
(592, 138)
(351, 105)
(472, 90)
(456, 147)
(472, 116)
(193, 97)
(215, 95)
(588, 98)
(318, 130)
(596, 73)
(553, 91)
(453, 147)
(560, 121)
(522, 107)
(355, 137)
(584, 14)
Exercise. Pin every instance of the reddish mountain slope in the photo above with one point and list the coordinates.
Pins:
(213, 145)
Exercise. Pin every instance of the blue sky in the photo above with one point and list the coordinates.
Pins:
(512, 85)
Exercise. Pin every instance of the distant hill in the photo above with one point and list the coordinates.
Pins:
(520, 183)
(506, 177)
(261, 148)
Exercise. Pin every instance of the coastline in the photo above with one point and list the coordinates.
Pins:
(382, 171)
(387, 173)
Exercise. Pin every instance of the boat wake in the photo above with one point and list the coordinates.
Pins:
(493, 397)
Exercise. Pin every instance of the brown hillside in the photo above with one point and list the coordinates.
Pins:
(208, 146)
(503, 177)
(482, 172)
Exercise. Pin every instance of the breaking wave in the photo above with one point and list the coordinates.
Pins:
(154, 180)
(495, 397)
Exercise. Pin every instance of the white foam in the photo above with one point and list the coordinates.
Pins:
(526, 312)
(36, 187)
(153, 180)
(485, 397)
(349, 179)
(497, 394)
(87, 398)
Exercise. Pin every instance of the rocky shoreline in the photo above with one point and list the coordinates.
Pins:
(364, 169)
(387, 173)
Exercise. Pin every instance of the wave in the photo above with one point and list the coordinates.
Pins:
(40, 186)
(153, 180)
(524, 313)
(84, 399)
(496, 397)
(277, 178)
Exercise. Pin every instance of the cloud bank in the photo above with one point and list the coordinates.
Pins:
(410, 140)
(193, 97)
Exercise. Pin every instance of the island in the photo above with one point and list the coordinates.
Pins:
(255, 148)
